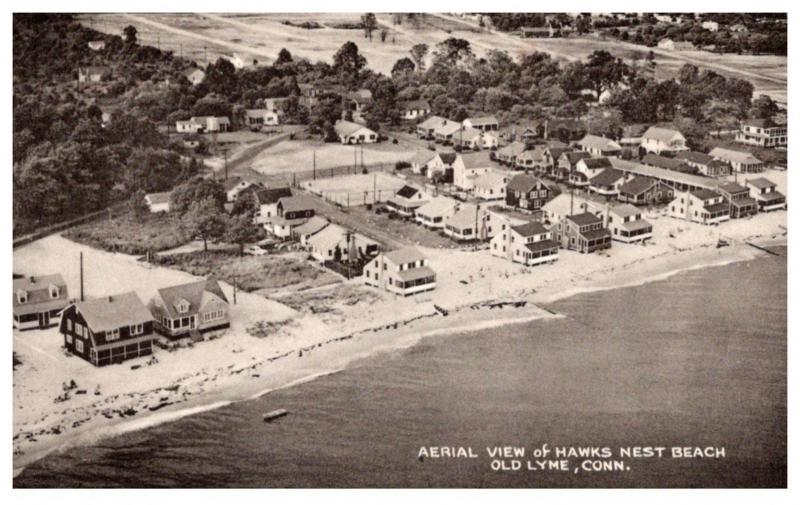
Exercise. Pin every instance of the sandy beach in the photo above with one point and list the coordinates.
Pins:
(239, 366)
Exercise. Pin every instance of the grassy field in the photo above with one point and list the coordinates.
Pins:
(298, 156)
(156, 232)
(253, 273)
(356, 189)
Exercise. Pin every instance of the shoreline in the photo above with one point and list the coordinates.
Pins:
(323, 358)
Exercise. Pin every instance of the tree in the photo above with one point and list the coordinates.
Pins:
(384, 34)
(130, 35)
(764, 107)
(138, 206)
(603, 71)
(370, 24)
(402, 66)
(205, 220)
(241, 230)
(452, 52)
(197, 190)
(347, 62)
(418, 54)
(284, 56)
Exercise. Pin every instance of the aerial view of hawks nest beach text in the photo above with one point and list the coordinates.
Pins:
(400, 250)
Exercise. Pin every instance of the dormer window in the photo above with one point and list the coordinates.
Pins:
(55, 291)
(182, 306)
(22, 296)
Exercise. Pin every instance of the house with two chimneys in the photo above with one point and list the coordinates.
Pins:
(190, 309)
(403, 272)
(703, 206)
(663, 140)
(108, 330)
(766, 194)
(599, 147)
(38, 301)
(530, 244)
(741, 161)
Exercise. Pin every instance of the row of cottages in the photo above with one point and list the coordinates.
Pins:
(204, 124)
(472, 133)
(530, 244)
(256, 118)
(116, 328)
(403, 272)
(527, 193)
(762, 133)
(599, 147)
(704, 163)
(414, 109)
(335, 243)
(354, 133)
(38, 301)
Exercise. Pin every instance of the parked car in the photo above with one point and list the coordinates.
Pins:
(254, 250)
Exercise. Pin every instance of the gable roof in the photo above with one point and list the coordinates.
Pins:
(599, 143)
(535, 154)
(530, 228)
(575, 156)
(469, 134)
(407, 191)
(328, 238)
(346, 128)
(295, 203)
(266, 196)
(704, 194)
(415, 105)
(490, 180)
(403, 256)
(437, 206)
(157, 198)
(311, 226)
(594, 163)
(607, 177)
(695, 157)
(512, 149)
(448, 128)
(482, 120)
(465, 216)
(661, 134)
(731, 187)
(733, 155)
(448, 157)
(422, 157)
(662, 161)
(232, 182)
(625, 210)
(524, 183)
(639, 184)
(761, 182)
(432, 122)
(116, 311)
(38, 289)
(584, 218)
(196, 293)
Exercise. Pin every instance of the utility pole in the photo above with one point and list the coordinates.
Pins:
(81, 275)
(374, 187)
(234, 290)
(314, 170)
(225, 153)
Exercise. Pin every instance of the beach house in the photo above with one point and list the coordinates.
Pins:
(308, 229)
(766, 194)
(528, 193)
(659, 140)
(490, 186)
(676, 164)
(627, 224)
(567, 204)
(762, 133)
(403, 272)
(529, 244)
(434, 213)
(507, 155)
(335, 243)
(426, 128)
(741, 203)
(108, 330)
(607, 182)
(482, 123)
(38, 301)
(702, 206)
(567, 163)
(467, 167)
(586, 169)
(704, 163)
(599, 146)
(407, 200)
(265, 201)
(291, 212)
(466, 223)
(354, 133)
(740, 161)
(642, 190)
(190, 309)
(583, 232)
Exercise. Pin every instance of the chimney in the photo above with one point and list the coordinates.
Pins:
(110, 298)
(32, 279)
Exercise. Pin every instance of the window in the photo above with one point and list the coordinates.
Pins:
(69, 338)
(137, 329)
(78, 329)
(69, 324)
(55, 292)
(112, 335)
(22, 296)
(79, 345)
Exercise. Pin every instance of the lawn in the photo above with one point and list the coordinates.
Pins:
(252, 273)
(125, 234)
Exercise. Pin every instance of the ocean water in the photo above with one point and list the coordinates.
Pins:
(698, 359)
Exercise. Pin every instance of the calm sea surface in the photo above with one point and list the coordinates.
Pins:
(695, 360)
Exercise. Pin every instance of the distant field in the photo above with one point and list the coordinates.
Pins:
(298, 156)
(205, 37)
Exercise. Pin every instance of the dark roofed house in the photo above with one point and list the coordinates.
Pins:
(407, 200)
(583, 232)
(742, 204)
(192, 308)
(607, 182)
(704, 163)
(530, 244)
(38, 301)
(108, 330)
(643, 190)
(766, 194)
(527, 192)
(290, 211)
